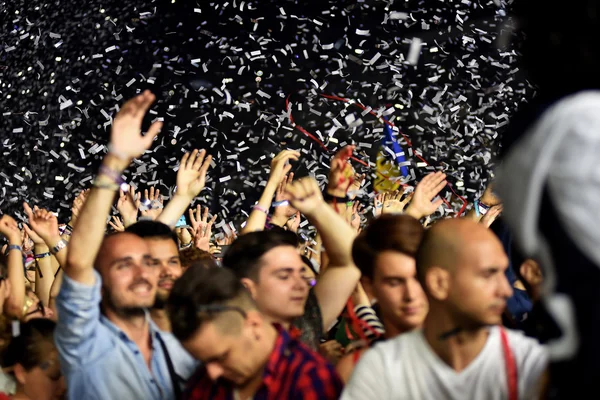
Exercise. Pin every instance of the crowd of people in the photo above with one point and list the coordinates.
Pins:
(378, 306)
(498, 303)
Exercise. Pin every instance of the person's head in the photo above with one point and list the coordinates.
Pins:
(4, 282)
(192, 255)
(34, 307)
(270, 267)
(385, 254)
(216, 320)
(162, 242)
(33, 360)
(461, 265)
(129, 274)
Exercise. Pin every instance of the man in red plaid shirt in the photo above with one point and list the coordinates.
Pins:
(244, 356)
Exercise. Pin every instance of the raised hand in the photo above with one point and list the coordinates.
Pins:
(126, 142)
(37, 240)
(494, 212)
(429, 187)
(393, 203)
(200, 222)
(341, 173)
(378, 204)
(354, 187)
(305, 195)
(293, 223)
(280, 165)
(43, 223)
(117, 224)
(203, 235)
(153, 204)
(354, 215)
(128, 205)
(78, 204)
(283, 211)
(191, 177)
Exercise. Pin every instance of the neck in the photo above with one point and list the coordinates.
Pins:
(161, 319)
(392, 330)
(135, 326)
(457, 350)
(270, 321)
(248, 389)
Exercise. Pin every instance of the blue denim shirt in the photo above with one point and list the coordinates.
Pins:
(100, 362)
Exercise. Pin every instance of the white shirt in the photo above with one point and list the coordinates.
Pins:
(407, 368)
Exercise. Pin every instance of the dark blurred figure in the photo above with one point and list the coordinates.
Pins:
(549, 180)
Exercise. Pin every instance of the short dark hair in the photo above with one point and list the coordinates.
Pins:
(200, 290)
(31, 346)
(152, 229)
(389, 232)
(244, 255)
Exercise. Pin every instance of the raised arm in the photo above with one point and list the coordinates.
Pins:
(16, 275)
(279, 168)
(421, 204)
(126, 143)
(339, 280)
(191, 179)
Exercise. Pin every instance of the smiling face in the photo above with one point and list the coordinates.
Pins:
(282, 288)
(129, 275)
(165, 255)
(401, 298)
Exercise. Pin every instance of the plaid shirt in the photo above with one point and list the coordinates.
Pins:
(293, 371)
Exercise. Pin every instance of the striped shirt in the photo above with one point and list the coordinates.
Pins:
(293, 371)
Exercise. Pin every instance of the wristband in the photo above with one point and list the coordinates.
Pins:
(281, 203)
(259, 208)
(110, 186)
(59, 246)
(112, 174)
(41, 255)
(480, 208)
(329, 198)
(13, 247)
(68, 228)
(185, 246)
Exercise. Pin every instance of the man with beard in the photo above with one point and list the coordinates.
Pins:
(461, 352)
(115, 351)
(162, 242)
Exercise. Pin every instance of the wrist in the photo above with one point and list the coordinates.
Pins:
(320, 209)
(413, 213)
(182, 196)
(40, 248)
(115, 163)
(335, 191)
(278, 220)
(14, 241)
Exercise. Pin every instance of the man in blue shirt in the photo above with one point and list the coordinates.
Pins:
(109, 347)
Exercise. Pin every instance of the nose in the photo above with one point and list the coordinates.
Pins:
(215, 371)
(411, 289)
(506, 290)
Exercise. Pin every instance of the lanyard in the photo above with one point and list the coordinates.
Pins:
(511, 367)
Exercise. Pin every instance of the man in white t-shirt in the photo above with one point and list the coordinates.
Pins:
(460, 353)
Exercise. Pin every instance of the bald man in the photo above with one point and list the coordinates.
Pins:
(461, 352)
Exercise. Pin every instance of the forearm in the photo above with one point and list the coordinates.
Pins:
(336, 234)
(88, 232)
(174, 210)
(16, 277)
(258, 218)
(43, 273)
(55, 290)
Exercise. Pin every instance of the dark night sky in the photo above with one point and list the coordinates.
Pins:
(221, 72)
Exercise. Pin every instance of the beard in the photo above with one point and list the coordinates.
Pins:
(160, 301)
(109, 300)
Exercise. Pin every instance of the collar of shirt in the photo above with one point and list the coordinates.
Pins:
(279, 354)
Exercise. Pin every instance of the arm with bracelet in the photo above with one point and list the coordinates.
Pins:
(16, 276)
(43, 266)
(279, 168)
(49, 244)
